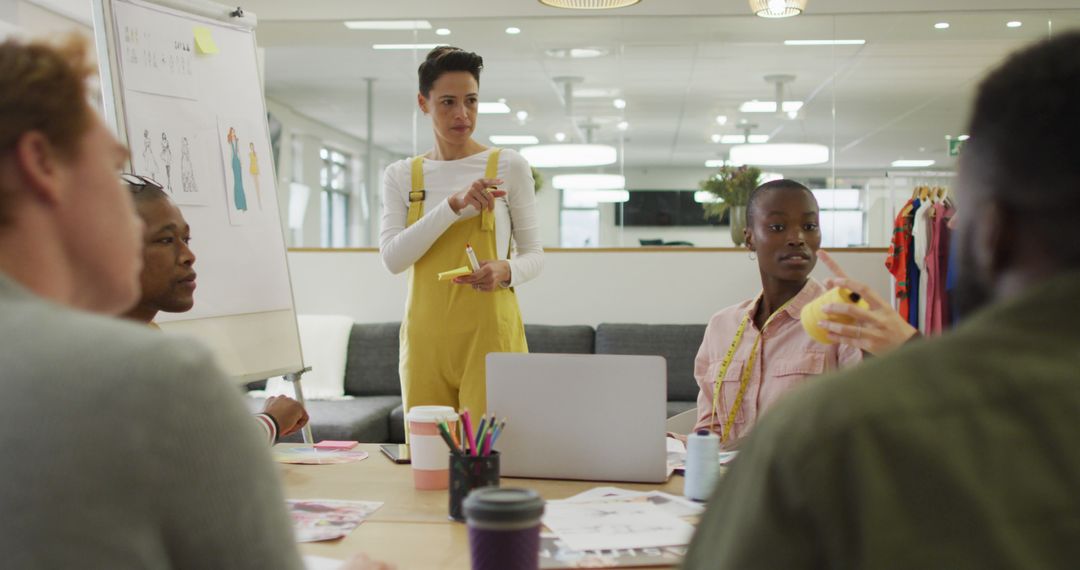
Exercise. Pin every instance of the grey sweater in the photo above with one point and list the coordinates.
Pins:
(123, 448)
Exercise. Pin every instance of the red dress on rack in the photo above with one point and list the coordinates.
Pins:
(897, 261)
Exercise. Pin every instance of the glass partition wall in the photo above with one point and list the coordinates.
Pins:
(870, 107)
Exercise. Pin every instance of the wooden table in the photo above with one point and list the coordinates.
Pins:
(411, 529)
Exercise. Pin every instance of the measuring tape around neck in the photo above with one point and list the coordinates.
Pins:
(744, 379)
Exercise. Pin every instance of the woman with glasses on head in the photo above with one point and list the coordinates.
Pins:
(460, 193)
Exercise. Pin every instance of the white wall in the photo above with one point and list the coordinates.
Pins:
(577, 287)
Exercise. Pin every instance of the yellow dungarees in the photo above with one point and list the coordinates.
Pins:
(449, 329)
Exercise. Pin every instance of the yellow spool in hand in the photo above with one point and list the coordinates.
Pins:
(813, 313)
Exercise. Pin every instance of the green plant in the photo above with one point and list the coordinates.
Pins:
(538, 179)
(732, 185)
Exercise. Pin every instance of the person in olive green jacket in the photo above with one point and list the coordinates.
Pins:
(962, 451)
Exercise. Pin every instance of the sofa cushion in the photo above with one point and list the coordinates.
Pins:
(676, 343)
(676, 408)
(371, 366)
(397, 425)
(549, 339)
(365, 419)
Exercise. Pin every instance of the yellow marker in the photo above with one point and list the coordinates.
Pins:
(813, 313)
(204, 41)
(459, 272)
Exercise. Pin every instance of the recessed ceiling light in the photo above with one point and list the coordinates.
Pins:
(493, 108)
(442, 32)
(780, 154)
(793, 115)
(942, 25)
(963, 137)
(623, 126)
(588, 181)
(513, 139)
(619, 103)
(740, 139)
(577, 52)
(721, 120)
(824, 42)
(1014, 24)
(716, 138)
(419, 47)
(756, 106)
(522, 115)
(388, 25)
(560, 137)
(912, 163)
(513, 31)
(565, 155)
(589, 4)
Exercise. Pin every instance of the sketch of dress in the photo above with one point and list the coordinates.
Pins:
(187, 174)
(150, 165)
(254, 169)
(239, 199)
(166, 159)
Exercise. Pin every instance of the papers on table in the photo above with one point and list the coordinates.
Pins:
(306, 455)
(325, 519)
(609, 518)
(321, 563)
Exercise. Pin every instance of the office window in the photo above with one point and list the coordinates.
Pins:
(579, 221)
(335, 198)
(842, 218)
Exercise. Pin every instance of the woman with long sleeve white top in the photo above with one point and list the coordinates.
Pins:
(459, 194)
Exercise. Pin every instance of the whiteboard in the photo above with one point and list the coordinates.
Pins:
(184, 93)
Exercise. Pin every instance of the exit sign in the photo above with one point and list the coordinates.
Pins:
(954, 146)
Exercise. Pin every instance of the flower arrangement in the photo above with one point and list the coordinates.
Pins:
(732, 185)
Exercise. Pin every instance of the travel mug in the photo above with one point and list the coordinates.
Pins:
(504, 528)
(430, 467)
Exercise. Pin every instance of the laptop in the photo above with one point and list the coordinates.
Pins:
(580, 416)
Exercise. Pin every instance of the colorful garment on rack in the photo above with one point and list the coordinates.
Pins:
(896, 262)
(937, 257)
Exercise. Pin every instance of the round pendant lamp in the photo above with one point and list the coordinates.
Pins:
(589, 4)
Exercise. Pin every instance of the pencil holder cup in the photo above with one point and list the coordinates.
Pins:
(468, 472)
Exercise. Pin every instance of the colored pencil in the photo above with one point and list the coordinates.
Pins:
(487, 442)
(444, 431)
(498, 431)
(468, 430)
(480, 433)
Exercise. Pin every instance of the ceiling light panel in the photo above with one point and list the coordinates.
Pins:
(388, 25)
(824, 42)
(902, 163)
(588, 181)
(567, 155)
(756, 106)
(780, 154)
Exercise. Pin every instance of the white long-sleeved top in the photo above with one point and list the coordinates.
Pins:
(515, 214)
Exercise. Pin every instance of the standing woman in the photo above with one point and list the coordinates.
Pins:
(433, 206)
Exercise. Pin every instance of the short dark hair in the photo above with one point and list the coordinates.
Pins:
(444, 59)
(1023, 150)
(782, 184)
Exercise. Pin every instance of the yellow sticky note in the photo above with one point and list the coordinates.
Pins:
(459, 272)
(204, 41)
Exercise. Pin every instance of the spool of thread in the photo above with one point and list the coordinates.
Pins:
(702, 464)
(813, 313)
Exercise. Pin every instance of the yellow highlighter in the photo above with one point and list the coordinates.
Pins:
(459, 272)
(813, 313)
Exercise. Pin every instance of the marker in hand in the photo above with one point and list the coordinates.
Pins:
(472, 258)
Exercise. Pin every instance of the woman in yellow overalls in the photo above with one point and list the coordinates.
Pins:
(460, 193)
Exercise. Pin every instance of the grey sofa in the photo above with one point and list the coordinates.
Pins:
(371, 372)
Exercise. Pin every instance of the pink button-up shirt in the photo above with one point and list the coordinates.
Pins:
(786, 357)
